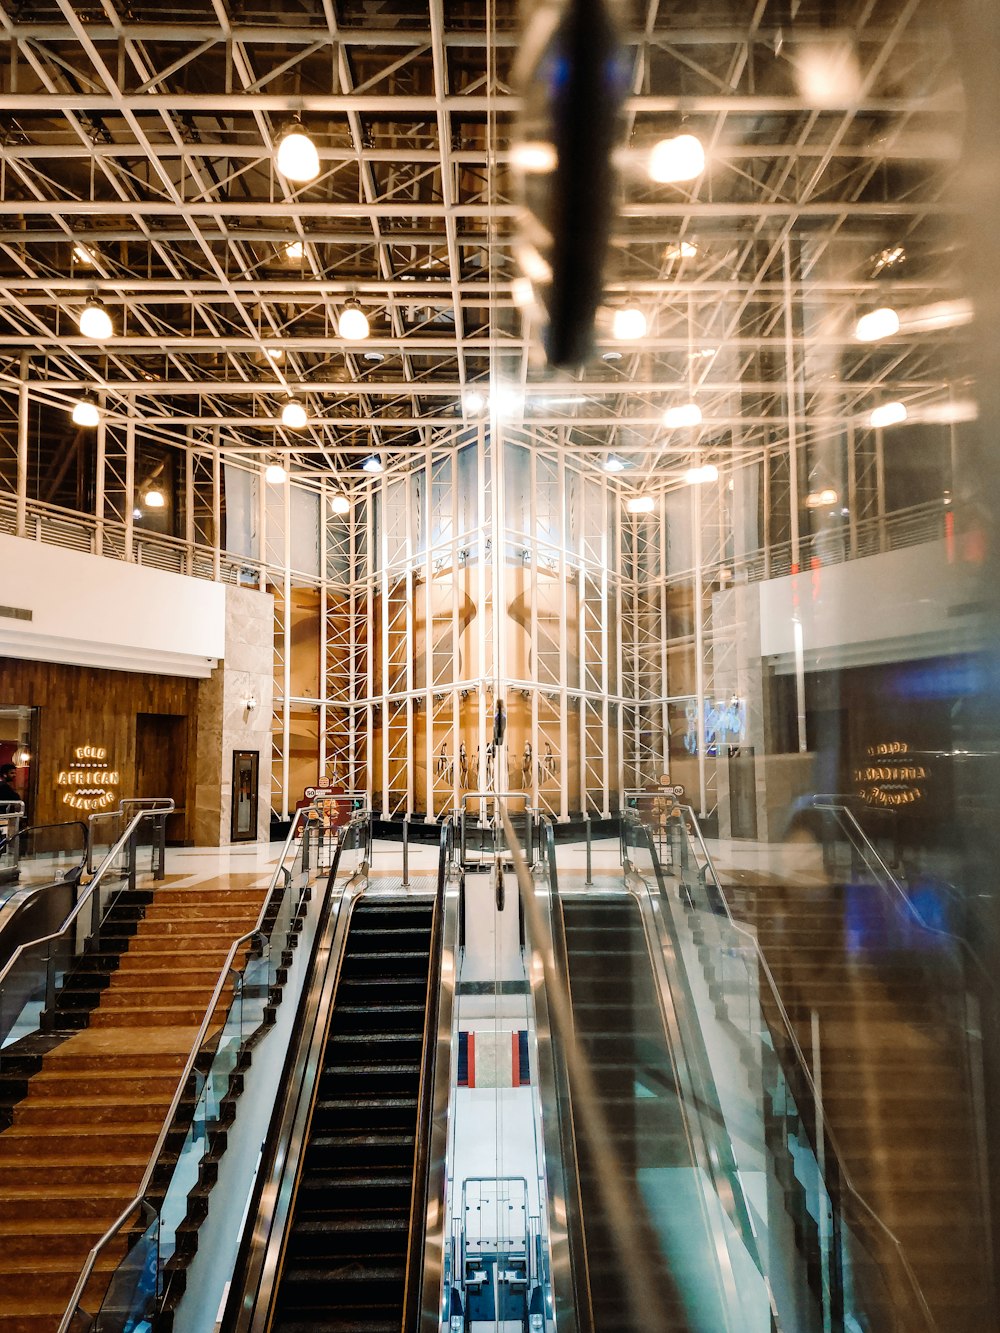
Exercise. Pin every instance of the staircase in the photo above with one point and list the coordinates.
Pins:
(81, 1133)
(344, 1262)
(895, 1083)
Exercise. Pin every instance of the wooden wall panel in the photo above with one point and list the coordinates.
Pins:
(88, 706)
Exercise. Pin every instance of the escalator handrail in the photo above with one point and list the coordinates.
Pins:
(89, 891)
(694, 1100)
(833, 1150)
(258, 1262)
(256, 932)
(428, 1170)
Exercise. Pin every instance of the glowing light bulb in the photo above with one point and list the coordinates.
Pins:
(294, 250)
(535, 155)
(95, 322)
(153, 499)
(613, 464)
(698, 476)
(887, 414)
(629, 324)
(684, 414)
(275, 474)
(473, 402)
(297, 158)
(877, 324)
(86, 412)
(373, 464)
(340, 504)
(83, 254)
(353, 325)
(640, 504)
(294, 415)
(681, 158)
(820, 499)
(522, 293)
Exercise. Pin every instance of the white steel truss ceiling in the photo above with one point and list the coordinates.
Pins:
(137, 166)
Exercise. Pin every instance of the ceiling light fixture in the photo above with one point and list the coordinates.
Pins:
(153, 498)
(294, 415)
(640, 504)
(83, 254)
(698, 476)
(353, 324)
(275, 354)
(681, 158)
(684, 414)
(95, 322)
(522, 293)
(536, 156)
(612, 356)
(613, 464)
(629, 324)
(86, 412)
(375, 357)
(820, 499)
(275, 474)
(887, 414)
(372, 464)
(681, 250)
(473, 402)
(339, 503)
(877, 324)
(294, 250)
(296, 157)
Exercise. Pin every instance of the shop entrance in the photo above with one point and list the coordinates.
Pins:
(161, 760)
(18, 735)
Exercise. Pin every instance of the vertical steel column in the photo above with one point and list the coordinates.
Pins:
(370, 577)
(605, 672)
(563, 642)
(129, 486)
(664, 677)
(383, 575)
(23, 421)
(620, 654)
(188, 502)
(262, 534)
(216, 506)
(790, 396)
(534, 592)
(286, 680)
(456, 701)
(852, 491)
(431, 746)
(100, 481)
(484, 539)
(883, 536)
(324, 611)
(409, 620)
(699, 642)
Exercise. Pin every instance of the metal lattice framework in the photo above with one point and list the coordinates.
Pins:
(137, 166)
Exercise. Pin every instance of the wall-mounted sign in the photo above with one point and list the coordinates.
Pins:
(87, 782)
(892, 778)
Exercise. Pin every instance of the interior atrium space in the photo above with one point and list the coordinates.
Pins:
(499, 666)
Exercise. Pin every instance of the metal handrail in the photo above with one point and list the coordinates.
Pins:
(804, 1071)
(188, 1069)
(89, 891)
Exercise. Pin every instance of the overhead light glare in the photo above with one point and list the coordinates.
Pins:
(936, 316)
(297, 158)
(372, 464)
(612, 356)
(275, 474)
(640, 504)
(522, 293)
(95, 322)
(153, 499)
(877, 324)
(684, 414)
(353, 324)
(275, 354)
(294, 415)
(83, 254)
(339, 503)
(86, 412)
(629, 324)
(535, 156)
(681, 158)
(294, 250)
(473, 402)
(681, 250)
(613, 464)
(375, 357)
(820, 499)
(887, 414)
(699, 476)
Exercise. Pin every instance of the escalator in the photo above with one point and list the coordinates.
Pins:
(344, 1260)
(620, 1029)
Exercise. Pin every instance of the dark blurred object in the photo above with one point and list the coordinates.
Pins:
(573, 75)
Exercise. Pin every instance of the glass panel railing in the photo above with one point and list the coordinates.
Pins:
(45, 854)
(839, 1253)
(33, 977)
(202, 1103)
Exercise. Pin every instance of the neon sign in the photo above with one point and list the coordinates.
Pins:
(90, 784)
(892, 779)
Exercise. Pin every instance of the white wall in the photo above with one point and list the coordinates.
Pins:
(90, 611)
(884, 608)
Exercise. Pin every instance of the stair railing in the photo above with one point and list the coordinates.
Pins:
(236, 1012)
(852, 1277)
(37, 968)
